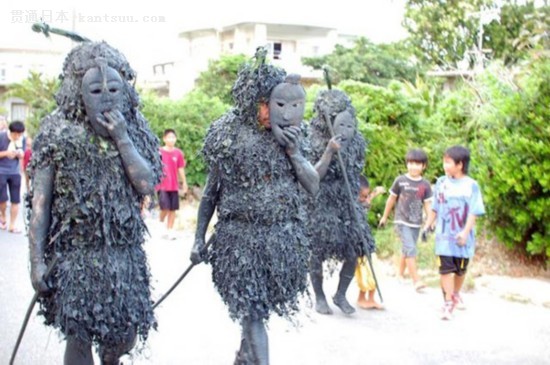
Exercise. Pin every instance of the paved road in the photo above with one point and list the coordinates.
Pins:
(194, 327)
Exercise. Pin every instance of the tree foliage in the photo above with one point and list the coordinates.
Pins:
(220, 76)
(441, 32)
(367, 62)
(38, 93)
(521, 28)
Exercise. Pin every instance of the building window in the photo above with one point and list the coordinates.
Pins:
(162, 68)
(19, 111)
(315, 51)
(158, 69)
(277, 49)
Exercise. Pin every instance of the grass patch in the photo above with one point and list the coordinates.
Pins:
(514, 297)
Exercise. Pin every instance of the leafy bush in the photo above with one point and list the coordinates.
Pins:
(37, 91)
(220, 76)
(514, 145)
(389, 121)
(382, 105)
(446, 127)
(311, 95)
(190, 117)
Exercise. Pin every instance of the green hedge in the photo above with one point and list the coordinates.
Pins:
(190, 118)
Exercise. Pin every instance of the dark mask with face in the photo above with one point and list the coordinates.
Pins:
(286, 106)
(101, 92)
(345, 125)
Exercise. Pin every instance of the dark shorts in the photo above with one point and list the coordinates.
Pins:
(169, 200)
(13, 184)
(450, 264)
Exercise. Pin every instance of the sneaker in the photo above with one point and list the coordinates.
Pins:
(447, 311)
(458, 303)
(169, 235)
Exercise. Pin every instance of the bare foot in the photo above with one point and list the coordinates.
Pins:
(366, 304)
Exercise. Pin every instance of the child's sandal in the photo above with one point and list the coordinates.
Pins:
(419, 286)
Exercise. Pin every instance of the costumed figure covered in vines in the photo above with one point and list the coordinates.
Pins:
(94, 161)
(255, 155)
(333, 230)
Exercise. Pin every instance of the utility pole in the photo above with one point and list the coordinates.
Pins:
(485, 17)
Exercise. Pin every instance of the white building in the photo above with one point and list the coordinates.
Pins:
(287, 44)
(22, 54)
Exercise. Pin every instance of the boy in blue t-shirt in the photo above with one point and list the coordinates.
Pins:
(457, 202)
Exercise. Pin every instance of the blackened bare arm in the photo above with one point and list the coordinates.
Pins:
(39, 225)
(322, 165)
(206, 210)
(137, 169)
(306, 173)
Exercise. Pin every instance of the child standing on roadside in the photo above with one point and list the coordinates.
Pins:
(456, 205)
(411, 193)
(173, 160)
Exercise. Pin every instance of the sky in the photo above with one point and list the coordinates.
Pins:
(147, 33)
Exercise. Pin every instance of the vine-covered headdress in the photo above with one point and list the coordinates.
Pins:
(82, 58)
(254, 84)
(329, 103)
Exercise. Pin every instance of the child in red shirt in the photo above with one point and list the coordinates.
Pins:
(173, 161)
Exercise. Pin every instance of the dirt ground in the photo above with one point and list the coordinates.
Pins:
(510, 274)
(496, 259)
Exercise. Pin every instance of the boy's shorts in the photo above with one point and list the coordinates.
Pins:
(13, 184)
(169, 200)
(451, 264)
(409, 237)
